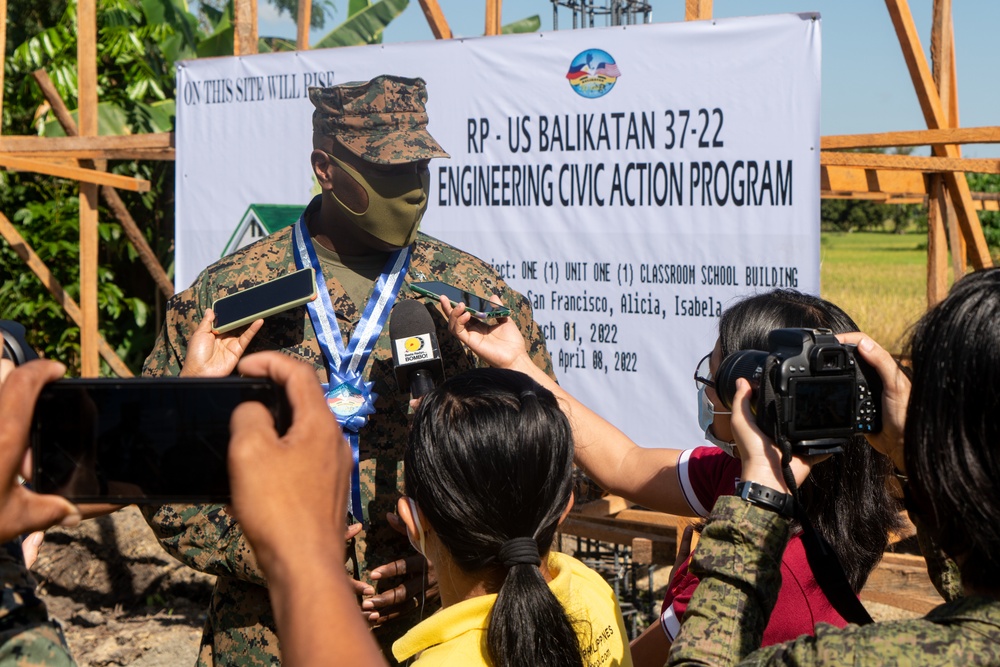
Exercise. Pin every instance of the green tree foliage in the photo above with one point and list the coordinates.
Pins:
(990, 220)
(139, 44)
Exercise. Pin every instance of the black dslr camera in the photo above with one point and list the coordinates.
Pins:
(15, 347)
(809, 388)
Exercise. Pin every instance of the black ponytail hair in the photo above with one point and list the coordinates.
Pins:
(952, 428)
(489, 461)
(847, 498)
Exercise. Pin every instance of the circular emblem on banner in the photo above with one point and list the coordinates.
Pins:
(593, 73)
(413, 344)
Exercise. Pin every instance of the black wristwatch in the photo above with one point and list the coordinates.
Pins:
(768, 498)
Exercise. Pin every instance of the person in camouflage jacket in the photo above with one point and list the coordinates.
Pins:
(364, 134)
(941, 432)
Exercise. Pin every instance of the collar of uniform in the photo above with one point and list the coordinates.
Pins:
(471, 615)
(975, 608)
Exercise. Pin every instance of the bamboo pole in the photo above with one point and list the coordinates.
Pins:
(131, 229)
(302, 25)
(35, 263)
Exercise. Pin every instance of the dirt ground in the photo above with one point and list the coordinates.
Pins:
(122, 600)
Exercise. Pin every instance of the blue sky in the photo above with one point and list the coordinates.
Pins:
(866, 86)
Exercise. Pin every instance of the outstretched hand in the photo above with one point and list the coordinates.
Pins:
(216, 355)
(501, 345)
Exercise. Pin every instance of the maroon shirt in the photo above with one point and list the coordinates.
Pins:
(705, 473)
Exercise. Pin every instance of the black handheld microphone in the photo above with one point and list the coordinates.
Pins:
(415, 352)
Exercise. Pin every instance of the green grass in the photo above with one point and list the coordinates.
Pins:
(880, 279)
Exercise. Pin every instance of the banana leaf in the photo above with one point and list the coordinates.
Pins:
(365, 27)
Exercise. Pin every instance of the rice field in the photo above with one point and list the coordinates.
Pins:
(879, 279)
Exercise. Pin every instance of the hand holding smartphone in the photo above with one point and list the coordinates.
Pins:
(479, 306)
(146, 440)
(260, 301)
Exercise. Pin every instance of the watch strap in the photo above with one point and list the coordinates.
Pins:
(767, 498)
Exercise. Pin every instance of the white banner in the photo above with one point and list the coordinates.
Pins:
(631, 181)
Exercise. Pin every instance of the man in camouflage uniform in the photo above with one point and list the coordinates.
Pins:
(371, 155)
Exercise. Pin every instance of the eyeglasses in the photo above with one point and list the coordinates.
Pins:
(703, 372)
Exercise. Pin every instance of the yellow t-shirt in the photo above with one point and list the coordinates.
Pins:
(456, 635)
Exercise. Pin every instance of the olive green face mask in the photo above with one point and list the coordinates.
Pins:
(396, 203)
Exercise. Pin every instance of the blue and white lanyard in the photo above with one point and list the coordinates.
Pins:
(345, 366)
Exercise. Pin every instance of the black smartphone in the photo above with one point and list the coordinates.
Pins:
(477, 305)
(142, 440)
(259, 301)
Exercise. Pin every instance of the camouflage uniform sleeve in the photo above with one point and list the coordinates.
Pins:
(738, 561)
(204, 537)
(28, 637)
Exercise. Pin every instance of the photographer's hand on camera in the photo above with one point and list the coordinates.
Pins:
(216, 355)
(21, 510)
(760, 457)
(895, 396)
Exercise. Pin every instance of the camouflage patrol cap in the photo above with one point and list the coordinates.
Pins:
(382, 121)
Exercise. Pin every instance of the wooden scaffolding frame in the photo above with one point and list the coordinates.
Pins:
(939, 179)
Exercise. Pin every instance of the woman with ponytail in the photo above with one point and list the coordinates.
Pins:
(488, 474)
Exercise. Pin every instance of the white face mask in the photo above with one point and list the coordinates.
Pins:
(418, 527)
(706, 415)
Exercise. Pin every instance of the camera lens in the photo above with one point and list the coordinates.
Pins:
(15, 347)
(747, 364)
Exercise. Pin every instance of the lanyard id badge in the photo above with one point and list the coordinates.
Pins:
(348, 395)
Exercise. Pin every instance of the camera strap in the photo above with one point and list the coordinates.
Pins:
(823, 560)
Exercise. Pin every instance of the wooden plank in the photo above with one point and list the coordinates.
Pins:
(652, 548)
(697, 10)
(493, 17)
(901, 580)
(857, 179)
(3, 51)
(89, 248)
(605, 506)
(930, 105)
(35, 263)
(302, 25)
(927, 164)
(244, 27)
(952, 135)
(937, 245)
(435, 19)
(153, 140)
(91, 176)
(72, 158)
(86, 63)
